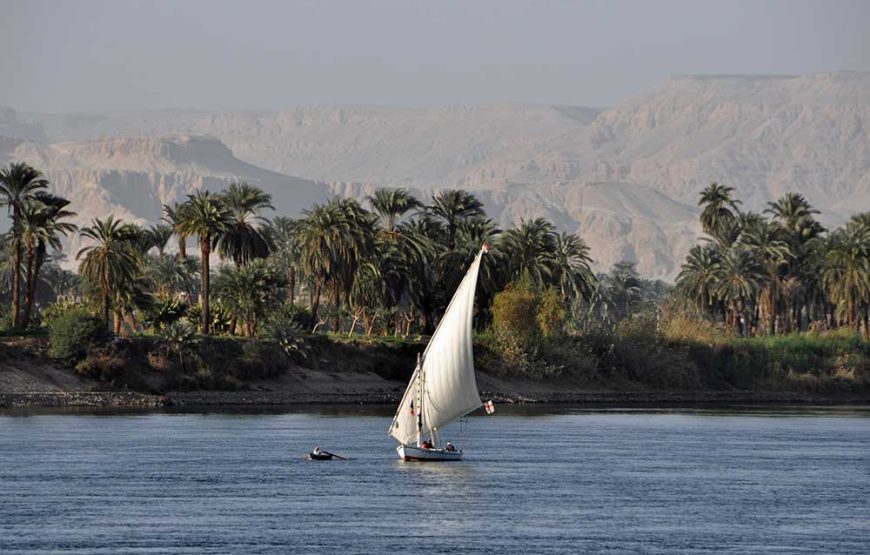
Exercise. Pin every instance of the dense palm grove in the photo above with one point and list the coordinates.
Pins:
(389, 265)
(779, 271)
(385, 268)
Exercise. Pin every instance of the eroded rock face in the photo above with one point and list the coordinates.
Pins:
(133, 178)
(626, 177)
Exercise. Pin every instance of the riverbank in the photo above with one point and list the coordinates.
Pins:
(137, 373)
(229, 399)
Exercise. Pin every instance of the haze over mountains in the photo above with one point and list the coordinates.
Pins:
(626, 178)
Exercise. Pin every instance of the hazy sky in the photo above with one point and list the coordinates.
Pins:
(206, 54)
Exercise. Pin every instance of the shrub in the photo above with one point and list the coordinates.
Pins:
(292, 340)
(551, 313)
(221, 321)
(687, 329)
(5, 317)
(164, 312)
(72, 333)
(514, 321)
(291, 315)
(52, 311)
(514, 311)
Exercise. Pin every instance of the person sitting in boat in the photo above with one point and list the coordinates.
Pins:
(316, 451)
(426, 444)
(450, 447)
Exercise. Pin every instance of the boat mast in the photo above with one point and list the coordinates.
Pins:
(419, 400)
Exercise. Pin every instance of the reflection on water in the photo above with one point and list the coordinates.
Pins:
(536, 479)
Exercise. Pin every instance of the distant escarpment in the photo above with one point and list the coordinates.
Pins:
(627, 177)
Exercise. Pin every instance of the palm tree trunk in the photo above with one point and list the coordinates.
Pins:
(118, 317)
(16, 283)
(315, 301)
(105, 287)
(182, 246)
(29, 288)
(772, 302)
(205, 250)
(337, 319)
(291, 285)
(30, 293)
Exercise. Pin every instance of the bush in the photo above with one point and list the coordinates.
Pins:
(551, 313)
(72, 333)
(5, 317)
(221, 321)
(52, 311)
(515, 323)
(164, 312)
(514, 312)
(292, 316)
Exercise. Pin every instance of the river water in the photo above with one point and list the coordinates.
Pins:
(534, 481)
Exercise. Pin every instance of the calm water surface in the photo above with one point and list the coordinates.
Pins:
(567, 482)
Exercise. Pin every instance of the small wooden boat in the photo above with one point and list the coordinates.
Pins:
(319, 455)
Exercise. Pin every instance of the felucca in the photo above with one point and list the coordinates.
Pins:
(443, 387)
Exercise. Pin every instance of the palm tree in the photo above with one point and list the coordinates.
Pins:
(424, 294)
(369, 295)
(738, 280)
(719, 208)
(796, 218)
(452, 207)
(170, 275)
(391, 205)
(768, 248)
(572, 272)
(247, 292)
(699, 276)
(139, 238)
(794, 214)
(453, 264)
(206, 216)
(624, 289)
(159, 235)
(861, 219)
(530, 250)
(846, 273)
(284, 234)
(317, 231)
(110, 261)
(335, 239)
(353, 245)
(18, 183)
(41, 228)
(398, 250)
(173, 215)
(243, 240)
(130, 295)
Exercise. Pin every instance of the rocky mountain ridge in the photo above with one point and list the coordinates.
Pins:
(626, 177)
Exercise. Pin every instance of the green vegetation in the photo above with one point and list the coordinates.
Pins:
(784, 273)
(72, 333)
(764, 300)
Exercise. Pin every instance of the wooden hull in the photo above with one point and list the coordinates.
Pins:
(420, 454)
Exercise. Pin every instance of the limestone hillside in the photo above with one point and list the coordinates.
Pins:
(625, 177)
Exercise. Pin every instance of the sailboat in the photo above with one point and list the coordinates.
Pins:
(442, 388)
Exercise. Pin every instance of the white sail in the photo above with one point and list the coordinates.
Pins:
(448, 387)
